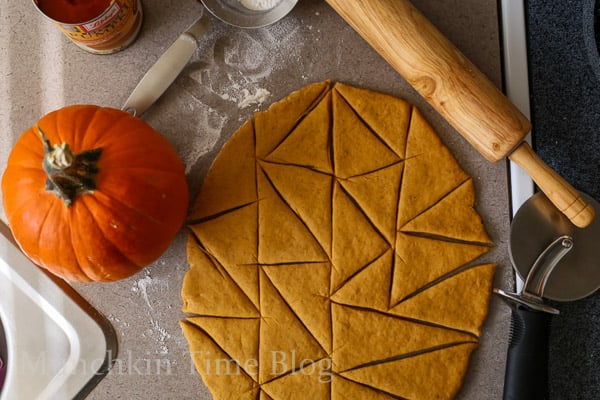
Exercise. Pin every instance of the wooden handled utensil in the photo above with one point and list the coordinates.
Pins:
(461, 93)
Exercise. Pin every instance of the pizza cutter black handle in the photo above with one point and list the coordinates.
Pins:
(526, 376)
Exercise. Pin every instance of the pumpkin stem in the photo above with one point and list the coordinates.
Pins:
(69, 174)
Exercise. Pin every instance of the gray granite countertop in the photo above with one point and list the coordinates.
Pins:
(41, 71)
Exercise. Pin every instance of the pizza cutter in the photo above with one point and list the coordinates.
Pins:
(558, 261)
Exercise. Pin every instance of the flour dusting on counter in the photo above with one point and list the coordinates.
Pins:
(257, 97)
(238, 68)
(143, 287)
(160, 335)
(228, 79)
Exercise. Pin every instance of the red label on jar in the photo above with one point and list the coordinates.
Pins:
(103, 20)
(112, 30)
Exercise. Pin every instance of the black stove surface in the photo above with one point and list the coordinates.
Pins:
(564, 74)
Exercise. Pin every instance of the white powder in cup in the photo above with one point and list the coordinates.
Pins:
(259, 5)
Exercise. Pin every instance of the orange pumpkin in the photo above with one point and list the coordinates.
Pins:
(94, 194)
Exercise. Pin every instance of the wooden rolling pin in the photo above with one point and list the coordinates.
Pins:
(456, 88)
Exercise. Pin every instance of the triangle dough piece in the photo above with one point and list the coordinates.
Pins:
(356, 150)
(344, 389)
(422, 376)
(452, 217)
(470, 291)
(377, 194)
(275, 123)
(311, 382)
(232, 181)
(430, 170)
(211, 363)
(387, 115)
(304, 287)
(308, 194)
(309, 145)
(232, 239)
(237, 337)
(264, 396)
(208, 290)
(370, 287)
(284, 340)
(351, 327)
(283, 237)
(421, 260)
(355, 242)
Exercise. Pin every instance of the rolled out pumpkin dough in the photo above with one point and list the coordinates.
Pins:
(331, 249)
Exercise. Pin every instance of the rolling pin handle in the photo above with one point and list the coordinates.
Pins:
(566, 198)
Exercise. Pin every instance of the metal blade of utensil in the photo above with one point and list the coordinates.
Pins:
(162, 74)
(536, 224)
(556, 260)
(170, 64)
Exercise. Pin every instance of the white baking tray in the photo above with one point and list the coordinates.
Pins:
(58, 346)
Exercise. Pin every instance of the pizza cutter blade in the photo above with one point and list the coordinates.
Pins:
(535, 225)
(556, 260)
